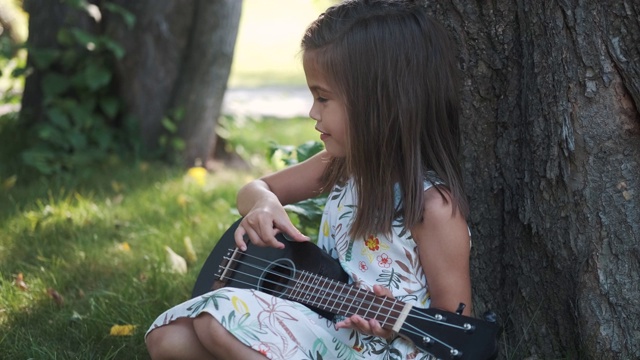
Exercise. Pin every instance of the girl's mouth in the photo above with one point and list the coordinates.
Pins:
(323, 135)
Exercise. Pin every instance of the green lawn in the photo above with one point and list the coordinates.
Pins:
(81, 254)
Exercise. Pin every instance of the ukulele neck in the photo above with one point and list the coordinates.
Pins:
(343, 299)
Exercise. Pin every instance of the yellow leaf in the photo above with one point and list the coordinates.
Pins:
(122, 330)
(124, 246)
(188, 247)
(199, 174)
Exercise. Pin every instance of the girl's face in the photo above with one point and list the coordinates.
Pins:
(328, 108)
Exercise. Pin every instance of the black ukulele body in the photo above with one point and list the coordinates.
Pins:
(265, 268)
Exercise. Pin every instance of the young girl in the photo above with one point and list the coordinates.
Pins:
(383, 78)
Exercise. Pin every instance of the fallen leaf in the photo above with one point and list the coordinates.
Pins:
(124, 246)
(122, 330)
(198, 174)
(75, 316)
(56, 296)
(19, 281)
(188, 247)
(177, 264)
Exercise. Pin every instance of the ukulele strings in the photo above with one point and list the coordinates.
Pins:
(413, 329)
(409, 328)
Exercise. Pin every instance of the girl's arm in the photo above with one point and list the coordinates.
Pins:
(261, 201)
(444, 248)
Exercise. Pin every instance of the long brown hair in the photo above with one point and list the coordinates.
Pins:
(394, 68)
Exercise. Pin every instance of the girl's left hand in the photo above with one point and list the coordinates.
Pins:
(371, 326)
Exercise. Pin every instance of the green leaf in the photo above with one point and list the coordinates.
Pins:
(58, 118)
(84, 38)
(77, 140)
(41, 159)
(110, 106)
(54, 84)
(308, 149)
(169, 125)
(43, 58)
(65, 38)
(127, 16)
(116, 49)
(53, 136)
(178, 144)
(81, 116)
(69, 58)
(96, 76)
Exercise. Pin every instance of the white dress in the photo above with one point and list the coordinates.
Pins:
(283, 329)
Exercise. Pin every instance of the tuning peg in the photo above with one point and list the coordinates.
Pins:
(490, 316)
(460, 308)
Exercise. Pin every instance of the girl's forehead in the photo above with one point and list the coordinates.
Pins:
(311, 65)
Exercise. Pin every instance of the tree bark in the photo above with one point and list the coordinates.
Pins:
(551, 136)
(177, 64)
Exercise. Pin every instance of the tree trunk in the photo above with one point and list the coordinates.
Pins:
(551, 136)
(46, 18)
(177, 65)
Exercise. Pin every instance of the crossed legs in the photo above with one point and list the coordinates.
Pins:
(200, 338)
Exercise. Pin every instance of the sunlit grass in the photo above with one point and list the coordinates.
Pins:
(81, 254)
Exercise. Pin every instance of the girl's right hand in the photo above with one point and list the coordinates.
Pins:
(261, 225)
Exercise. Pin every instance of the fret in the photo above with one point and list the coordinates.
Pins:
(334, 291)
(371, 302)
(327, 298)
(361, 295)
(348, 311)
(342, 298)
(315, 281)
(383, 323)
(305, 286)
(293, 291)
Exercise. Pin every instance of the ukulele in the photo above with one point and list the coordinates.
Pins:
(304, 273)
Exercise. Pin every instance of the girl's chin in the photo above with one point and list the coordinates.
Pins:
(337, 153)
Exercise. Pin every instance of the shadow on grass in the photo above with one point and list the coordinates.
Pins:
(98, 242)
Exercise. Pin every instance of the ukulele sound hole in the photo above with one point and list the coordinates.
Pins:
(276, 277)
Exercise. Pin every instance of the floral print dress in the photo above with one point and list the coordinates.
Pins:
(283, 329)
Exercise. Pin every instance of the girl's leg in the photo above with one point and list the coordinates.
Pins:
(177, 340)
(219, 342)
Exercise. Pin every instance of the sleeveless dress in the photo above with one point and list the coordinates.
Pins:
(283, 329)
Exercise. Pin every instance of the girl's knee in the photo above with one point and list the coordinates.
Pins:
(157, 343)
(171, 341)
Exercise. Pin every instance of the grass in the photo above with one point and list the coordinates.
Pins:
(79, 255)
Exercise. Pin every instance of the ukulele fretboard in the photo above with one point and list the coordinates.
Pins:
(346, 300)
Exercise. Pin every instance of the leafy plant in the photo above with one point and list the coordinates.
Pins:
(308, 212)
(82, 113)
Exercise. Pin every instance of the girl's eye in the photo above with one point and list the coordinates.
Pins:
(321, 99)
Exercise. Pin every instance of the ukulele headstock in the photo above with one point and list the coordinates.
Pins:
(448, 335)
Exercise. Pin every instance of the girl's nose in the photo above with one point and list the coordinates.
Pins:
(314, 113)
